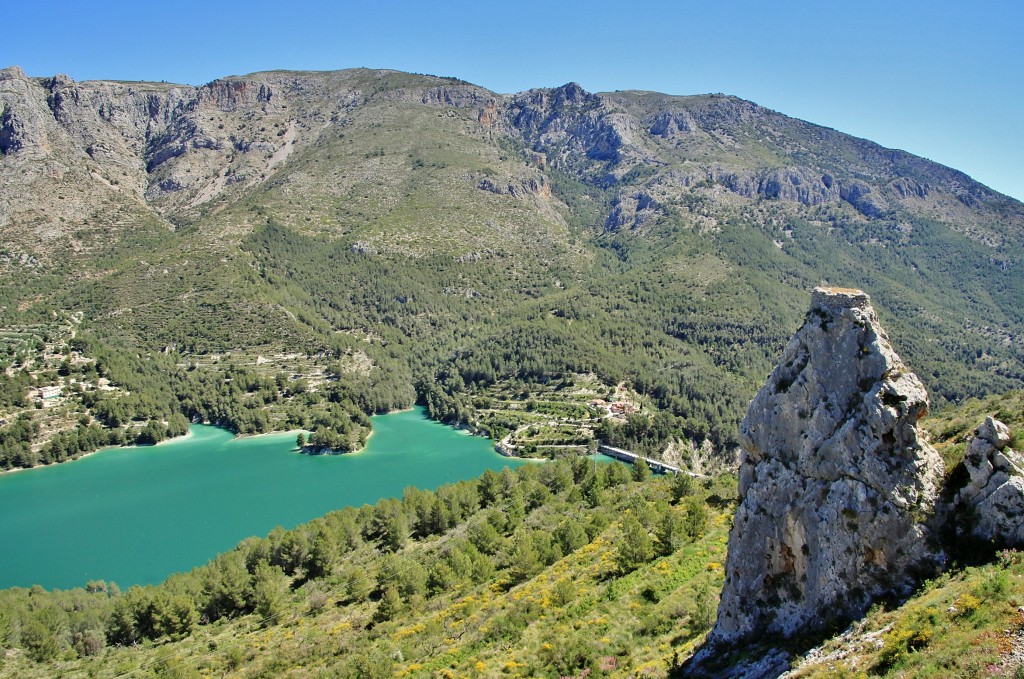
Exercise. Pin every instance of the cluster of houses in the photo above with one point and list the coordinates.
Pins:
(623, 409)
(616, 408)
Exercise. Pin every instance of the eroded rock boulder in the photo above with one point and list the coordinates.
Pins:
(836, 482)
(994, 496)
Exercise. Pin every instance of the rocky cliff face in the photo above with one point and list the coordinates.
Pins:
(115, 152)
(836, 482)
(79, 159)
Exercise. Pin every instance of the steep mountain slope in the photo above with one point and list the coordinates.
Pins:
(456, 236)
(386, 232)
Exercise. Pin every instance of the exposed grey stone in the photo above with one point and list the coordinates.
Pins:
(12, 73)
(516, 187)
(860, 196)
(836, 482)
(672, 123)
(994, 495)
(795, 184)
(567, 117)
(631, 211)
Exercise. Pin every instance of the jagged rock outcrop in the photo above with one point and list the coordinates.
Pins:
(668, 124)
(796, 184)
(83, 164)
(836, 482)
(567, 119)
(994, 496)
(631, 211)
(860, 195)
(517, 187)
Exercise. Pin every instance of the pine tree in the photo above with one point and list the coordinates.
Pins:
(390, 605)
(682, 486)
(696, 518)
(323, 553)
(39, 642)
(592, 489)
(489, 488)
(641, 470)
(670, 531)
(396, 532)
(526, 560)
(268, 590)
(635, 547)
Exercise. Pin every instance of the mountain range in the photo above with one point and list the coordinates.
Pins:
(452, 237)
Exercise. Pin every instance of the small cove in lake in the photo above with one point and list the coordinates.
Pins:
(135, 515)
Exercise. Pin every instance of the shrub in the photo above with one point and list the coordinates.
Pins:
(993, 588)
(905, 637)
(965, 605)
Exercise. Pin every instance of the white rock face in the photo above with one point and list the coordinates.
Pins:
(835, 480)
(994, 495)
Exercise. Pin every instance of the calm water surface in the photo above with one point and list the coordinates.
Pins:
(136, 515)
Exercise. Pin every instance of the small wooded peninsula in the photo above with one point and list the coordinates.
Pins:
(553, 269)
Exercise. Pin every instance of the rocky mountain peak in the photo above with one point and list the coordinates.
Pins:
(12, 73)
(836, 481)
(837, 299)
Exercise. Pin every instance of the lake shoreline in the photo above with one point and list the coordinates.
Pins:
(276, 432)
(317, 452)
(179, 506)
(236, 437)
(183, 437)
(307, 450)
(13, 470)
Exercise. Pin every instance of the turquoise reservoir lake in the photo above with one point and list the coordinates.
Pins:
(136, 515)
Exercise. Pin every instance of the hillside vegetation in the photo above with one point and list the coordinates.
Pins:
(552, 570)
(567, 568)
(286, 250)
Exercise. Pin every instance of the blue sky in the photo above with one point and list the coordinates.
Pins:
(941, 79)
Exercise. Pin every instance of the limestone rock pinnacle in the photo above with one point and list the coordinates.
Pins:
(836, 482)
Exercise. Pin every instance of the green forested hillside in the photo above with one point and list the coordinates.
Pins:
(547, 571)
(379, 237)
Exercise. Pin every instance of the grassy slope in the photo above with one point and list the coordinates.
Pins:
(965, 623)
